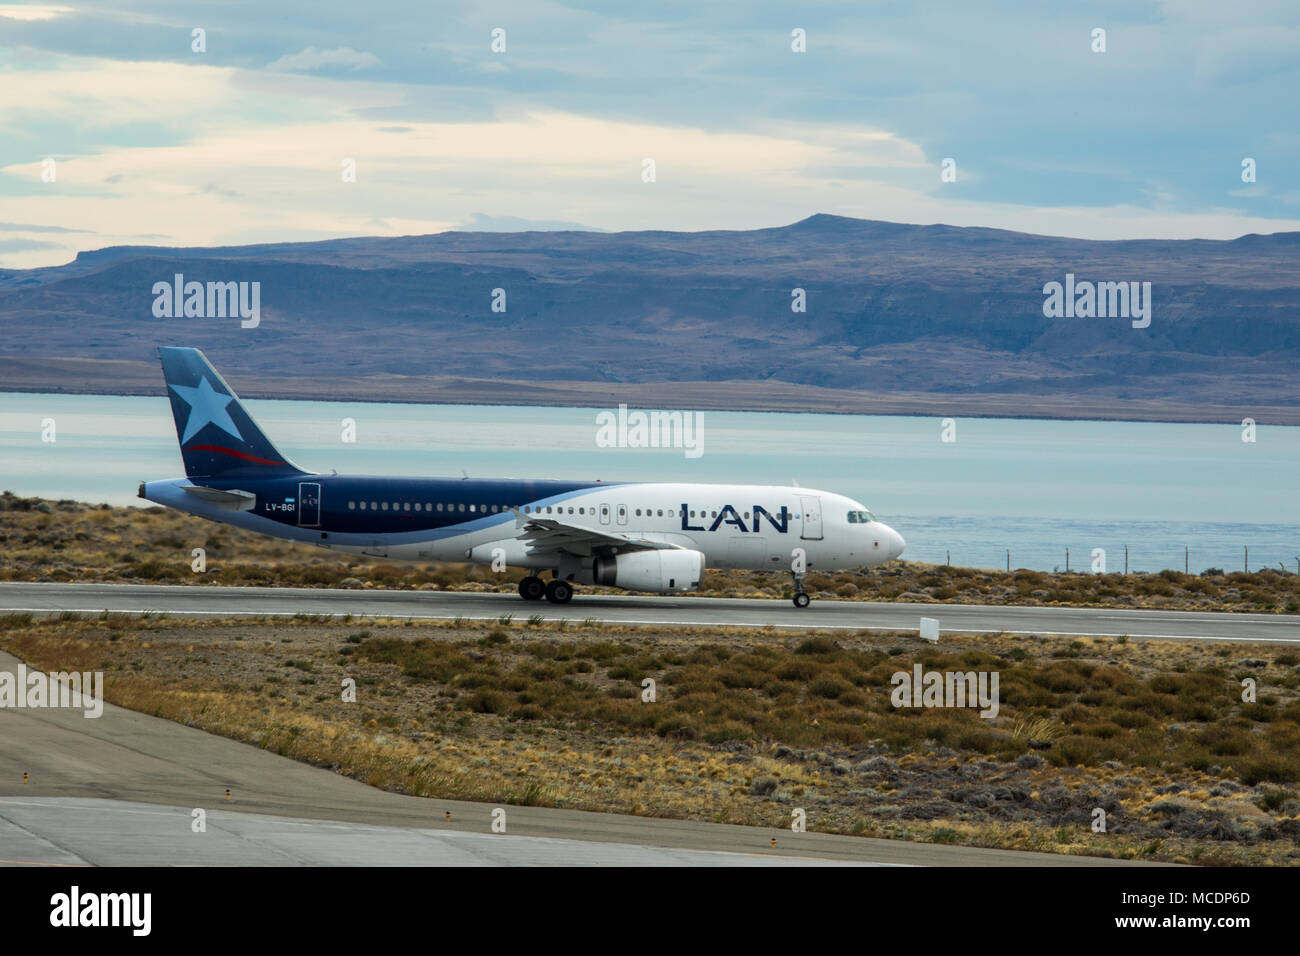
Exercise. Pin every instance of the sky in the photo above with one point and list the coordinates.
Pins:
(118, 126)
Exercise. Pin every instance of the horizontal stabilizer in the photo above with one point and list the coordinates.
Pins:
(231, 499)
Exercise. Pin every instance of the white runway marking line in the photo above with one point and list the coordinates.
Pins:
(38, 863)
(1037, 632)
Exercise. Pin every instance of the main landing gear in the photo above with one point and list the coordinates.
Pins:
(800, 599)
(533, 588)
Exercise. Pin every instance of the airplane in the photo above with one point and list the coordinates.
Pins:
(650, 537)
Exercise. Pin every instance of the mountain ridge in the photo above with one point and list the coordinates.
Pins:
(952, 311)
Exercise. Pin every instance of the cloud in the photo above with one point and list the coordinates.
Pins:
(1144, 141)
(235, 183)
(25, 245)
(310, 59)
(480, 222)
(30, 227)
(17, 11)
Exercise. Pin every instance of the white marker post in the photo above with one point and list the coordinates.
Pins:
(930, 629)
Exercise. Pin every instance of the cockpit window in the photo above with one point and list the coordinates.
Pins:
(861, 517)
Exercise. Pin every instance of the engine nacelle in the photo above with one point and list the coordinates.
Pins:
(661, 572)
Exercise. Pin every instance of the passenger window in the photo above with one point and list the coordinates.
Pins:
(351, 505)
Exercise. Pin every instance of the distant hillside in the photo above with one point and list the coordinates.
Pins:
(899, 318)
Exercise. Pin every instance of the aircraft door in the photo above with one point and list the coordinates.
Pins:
(309, 504)
(622, 514)
(604, 514)
(811, 518)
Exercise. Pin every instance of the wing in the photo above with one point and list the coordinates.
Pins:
(547, 534)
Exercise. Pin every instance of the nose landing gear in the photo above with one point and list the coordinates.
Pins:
(800, 599)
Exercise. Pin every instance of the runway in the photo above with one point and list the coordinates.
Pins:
(83, 831)
(204, 601)
(121, 789)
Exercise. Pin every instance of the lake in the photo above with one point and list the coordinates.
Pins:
(1031, 487)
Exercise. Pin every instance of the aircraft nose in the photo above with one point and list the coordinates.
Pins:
(896, 542)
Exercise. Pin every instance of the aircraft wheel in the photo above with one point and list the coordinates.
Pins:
(531, 588)
(802, 600)
(559, 592)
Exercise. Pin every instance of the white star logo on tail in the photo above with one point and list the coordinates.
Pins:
(206, 407)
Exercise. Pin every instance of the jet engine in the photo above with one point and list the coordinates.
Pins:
(662, 572)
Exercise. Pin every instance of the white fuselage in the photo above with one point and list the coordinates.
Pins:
(734, 526)
(748, 527)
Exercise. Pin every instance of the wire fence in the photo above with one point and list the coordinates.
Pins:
(1095, 561)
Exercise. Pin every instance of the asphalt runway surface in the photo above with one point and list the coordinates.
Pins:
(204, 601)
(121, 789)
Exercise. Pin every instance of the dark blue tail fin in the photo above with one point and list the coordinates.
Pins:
(218, 438)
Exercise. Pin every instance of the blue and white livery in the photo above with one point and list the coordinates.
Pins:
(639, 536)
